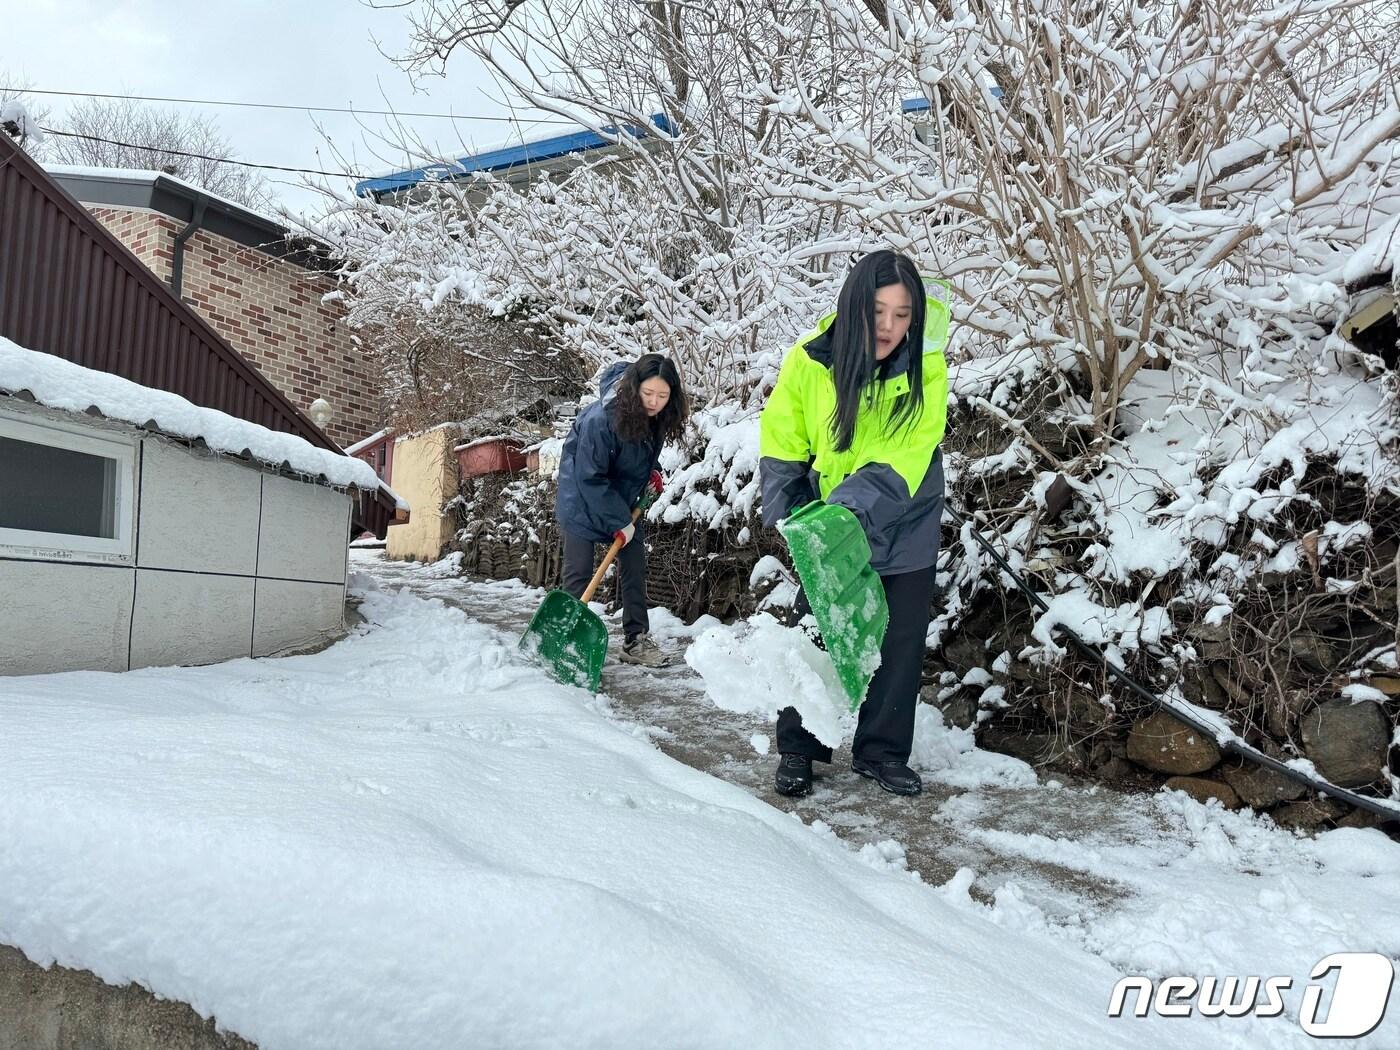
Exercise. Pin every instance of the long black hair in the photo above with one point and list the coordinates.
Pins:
(630, 417)
(852, 334)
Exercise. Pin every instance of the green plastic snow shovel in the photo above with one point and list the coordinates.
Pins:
(566, 635)
(832, 559)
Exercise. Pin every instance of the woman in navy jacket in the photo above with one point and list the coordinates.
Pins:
(609, 459)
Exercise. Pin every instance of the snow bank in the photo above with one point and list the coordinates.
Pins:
(61, 384)
(427, 841)
(945, 754)
(760, 667)
(1291, 900)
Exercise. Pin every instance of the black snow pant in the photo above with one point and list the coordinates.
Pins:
(885, 725)
(631, 564)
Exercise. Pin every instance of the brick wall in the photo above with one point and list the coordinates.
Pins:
(269, 310)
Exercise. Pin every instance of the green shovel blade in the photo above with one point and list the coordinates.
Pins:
(568, 639)
(832, 559)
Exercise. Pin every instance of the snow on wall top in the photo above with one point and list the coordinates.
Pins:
(56, 383)
(365, 443)
(489, 439)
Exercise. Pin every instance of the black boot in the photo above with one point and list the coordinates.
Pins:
(895, 777)
(794, 776)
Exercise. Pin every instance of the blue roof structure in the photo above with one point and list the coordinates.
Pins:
(539, 151)
(499, 160)
(921, 105)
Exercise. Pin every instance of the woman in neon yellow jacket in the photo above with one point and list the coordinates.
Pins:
(856, 419)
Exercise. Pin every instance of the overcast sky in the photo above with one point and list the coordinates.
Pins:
(301, 52)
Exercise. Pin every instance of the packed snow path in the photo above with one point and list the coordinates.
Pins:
(1147, 881)
(948, 828)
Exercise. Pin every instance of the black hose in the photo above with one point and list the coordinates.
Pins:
(1232, 745)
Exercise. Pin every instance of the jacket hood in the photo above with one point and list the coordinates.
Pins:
(609, 378)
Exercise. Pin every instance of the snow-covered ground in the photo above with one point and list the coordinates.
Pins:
(417, 839)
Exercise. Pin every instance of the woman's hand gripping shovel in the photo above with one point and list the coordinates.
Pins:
(566, 636)
(832, 558)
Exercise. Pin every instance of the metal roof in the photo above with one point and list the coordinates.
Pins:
(69, 288)
(533, 154)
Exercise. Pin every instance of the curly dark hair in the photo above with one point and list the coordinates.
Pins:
(631, 419)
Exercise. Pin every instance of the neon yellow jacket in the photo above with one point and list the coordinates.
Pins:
(891, 481)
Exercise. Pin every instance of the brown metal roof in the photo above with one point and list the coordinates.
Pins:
(69, 288)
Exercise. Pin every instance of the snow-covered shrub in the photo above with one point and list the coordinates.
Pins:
(1128, 185)
(1256, 583)
(1138, 185)
(446, 347)
(1150, 215)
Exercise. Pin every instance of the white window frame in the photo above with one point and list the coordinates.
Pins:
(62, 546)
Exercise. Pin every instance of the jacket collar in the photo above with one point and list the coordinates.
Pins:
(818, 345)
(819, 350)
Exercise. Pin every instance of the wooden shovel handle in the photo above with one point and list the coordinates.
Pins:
(597, 580)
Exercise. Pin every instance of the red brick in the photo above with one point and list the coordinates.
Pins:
(269, 310)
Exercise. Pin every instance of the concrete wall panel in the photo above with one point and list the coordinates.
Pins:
(292, 615)
(190, 618)
(64, 617)
(198, 513)
(305, 531)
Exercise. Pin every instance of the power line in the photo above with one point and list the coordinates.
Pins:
(205, 156)
(275, 105)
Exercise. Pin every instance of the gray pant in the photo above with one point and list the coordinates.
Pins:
(631, 561)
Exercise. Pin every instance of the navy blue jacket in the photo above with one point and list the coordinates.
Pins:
(601, 476)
